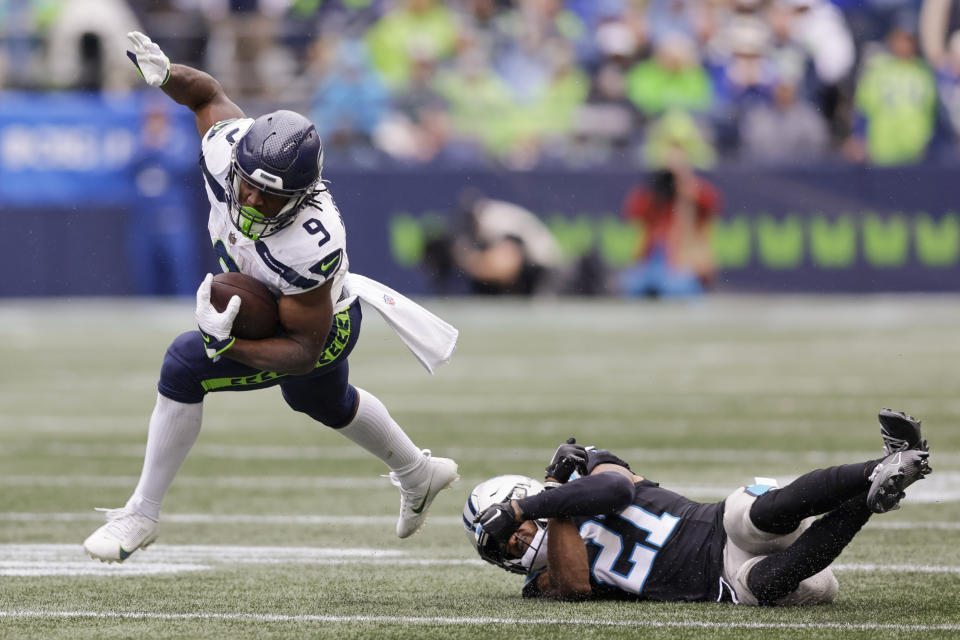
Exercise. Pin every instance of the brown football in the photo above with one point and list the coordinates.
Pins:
(258, 317)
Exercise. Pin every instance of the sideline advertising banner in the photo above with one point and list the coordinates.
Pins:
(100, 207)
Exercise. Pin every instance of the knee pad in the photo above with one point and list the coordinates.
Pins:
(180, 374)
(820, 588)
(744, 595)
(744, 534)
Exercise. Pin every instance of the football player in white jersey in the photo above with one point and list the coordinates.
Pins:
(272, 218)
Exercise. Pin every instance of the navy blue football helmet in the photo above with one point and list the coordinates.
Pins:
(280, 154)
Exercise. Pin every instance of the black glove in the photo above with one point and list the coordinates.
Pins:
(568, 458)
(498, 521)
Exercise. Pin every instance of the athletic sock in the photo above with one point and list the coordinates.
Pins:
(780, 573)
(374, 430)
(174, 427)
(819, 491)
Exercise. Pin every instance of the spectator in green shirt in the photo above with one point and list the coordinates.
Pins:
(417, 25)
(896, 105)
(672, 79)
(677, 134)
(482, 109)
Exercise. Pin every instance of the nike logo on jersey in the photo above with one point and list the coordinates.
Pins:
(329, 265)
(325, 266)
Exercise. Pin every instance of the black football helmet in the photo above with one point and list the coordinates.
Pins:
(280, 154)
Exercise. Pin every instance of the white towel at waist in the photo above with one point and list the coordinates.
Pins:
(430, 339)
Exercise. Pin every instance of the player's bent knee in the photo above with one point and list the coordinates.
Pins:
(820, 588)
(178, 375)
(743, 533)
(332, 410)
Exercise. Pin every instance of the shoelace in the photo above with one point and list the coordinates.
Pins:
(117, 524)
(395, 479)
(893, 444)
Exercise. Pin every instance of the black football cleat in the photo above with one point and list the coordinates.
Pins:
(889, 479)
(900, 432)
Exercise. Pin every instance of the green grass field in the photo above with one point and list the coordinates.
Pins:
(278, 527)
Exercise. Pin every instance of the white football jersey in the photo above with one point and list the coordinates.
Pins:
(299, 257)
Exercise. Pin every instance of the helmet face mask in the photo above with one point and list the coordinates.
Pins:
(249, 220)
(534, 555)
(281, 156)
(500, 489)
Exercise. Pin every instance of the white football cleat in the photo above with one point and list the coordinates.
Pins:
(415, 502)
(125, 532)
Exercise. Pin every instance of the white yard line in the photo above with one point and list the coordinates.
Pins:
(332, 520)
(46, 559)
(942, 487)
(32, 569)
(207, 518)
(476, 621)
(637, 455)
(895, 568)
(204, 553)
(33, 560)
(199, 482)
(949, 525)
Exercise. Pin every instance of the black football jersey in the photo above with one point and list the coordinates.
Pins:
(662, 547)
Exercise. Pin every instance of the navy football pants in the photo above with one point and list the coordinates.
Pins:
(324, 394)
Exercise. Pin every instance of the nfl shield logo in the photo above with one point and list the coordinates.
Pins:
(390, 301)
(232, 238)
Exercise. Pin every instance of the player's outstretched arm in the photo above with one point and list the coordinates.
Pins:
(195, 89)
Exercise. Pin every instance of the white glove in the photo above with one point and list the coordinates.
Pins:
(149, 59)
(215, 327)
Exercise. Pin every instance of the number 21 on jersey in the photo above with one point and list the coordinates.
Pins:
(637, 559)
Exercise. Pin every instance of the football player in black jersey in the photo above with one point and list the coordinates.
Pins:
(611, 533)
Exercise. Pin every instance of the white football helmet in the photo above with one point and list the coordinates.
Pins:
(501, 489)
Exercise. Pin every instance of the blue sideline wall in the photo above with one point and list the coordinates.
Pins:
(69, 208)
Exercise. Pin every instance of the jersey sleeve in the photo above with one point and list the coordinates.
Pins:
(311, 251)
(216, 149)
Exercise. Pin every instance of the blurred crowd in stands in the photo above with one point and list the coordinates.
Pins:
(542, 83)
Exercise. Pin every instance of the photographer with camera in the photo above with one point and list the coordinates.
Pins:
(675, 210)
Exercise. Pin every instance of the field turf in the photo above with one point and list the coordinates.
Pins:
(279, 527)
